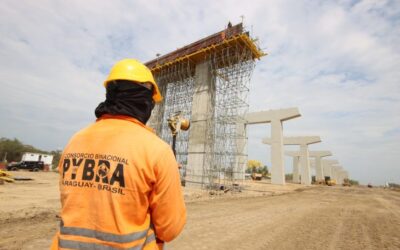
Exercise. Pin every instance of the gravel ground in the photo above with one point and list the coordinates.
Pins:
(262, 216)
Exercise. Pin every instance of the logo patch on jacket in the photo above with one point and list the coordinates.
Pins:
(102, 172)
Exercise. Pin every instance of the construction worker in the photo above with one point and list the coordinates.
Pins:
(119, 182)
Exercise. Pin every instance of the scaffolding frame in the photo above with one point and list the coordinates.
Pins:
(231, 69)
(177, 85)
(231, 56)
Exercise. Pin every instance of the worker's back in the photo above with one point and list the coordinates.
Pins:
(118, 180)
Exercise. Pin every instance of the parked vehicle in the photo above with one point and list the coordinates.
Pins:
(27, 165)
(256, 176)
(30, 157)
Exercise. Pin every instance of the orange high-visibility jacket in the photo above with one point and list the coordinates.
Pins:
(120, 188)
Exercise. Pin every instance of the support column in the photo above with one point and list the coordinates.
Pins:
(335, 173)
(296, 171)
(327, 167)
(277, 167)
(241, 158)
(305, 165)
(340, 177)
(327, 170)
(275, 117)
(319, 172)
(346, 175)
(201, 113)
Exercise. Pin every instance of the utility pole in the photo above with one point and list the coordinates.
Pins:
(5, 157)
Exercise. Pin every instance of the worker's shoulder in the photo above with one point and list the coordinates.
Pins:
(123, 131)
(132, 131)
(152, 140)
(81, 131)
(153, 136)
(149, 141)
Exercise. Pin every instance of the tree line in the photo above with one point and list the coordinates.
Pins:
(254, 166)
(11, 150)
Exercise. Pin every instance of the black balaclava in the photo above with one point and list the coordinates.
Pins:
(127, 98)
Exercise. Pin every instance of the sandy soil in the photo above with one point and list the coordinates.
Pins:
(262, 216)
(318, 218)
(28, 211)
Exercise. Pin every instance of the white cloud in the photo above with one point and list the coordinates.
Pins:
(337, 61)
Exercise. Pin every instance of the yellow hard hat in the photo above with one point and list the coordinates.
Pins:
(133, 70)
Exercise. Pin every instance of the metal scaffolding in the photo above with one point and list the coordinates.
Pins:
(230, 55)
(231, 70)
(177, 87)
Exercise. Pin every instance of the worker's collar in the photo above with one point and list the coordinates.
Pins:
(126, 118)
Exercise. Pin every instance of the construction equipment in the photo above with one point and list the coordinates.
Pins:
(329, 181)
(319, 182)
(4, 176)
(177, 123)
(256, 176)
(346, 182)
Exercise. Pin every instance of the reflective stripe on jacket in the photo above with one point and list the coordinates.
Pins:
(120, 188)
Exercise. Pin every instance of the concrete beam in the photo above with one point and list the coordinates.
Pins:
(270, 115)
(312, 153)
(320, 153)
(296, 140)
(291, 153)
(275, 117)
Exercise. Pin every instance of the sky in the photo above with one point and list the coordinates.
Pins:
(337, 61)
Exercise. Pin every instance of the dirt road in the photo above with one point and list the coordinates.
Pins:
(314, 218)
(319, 218)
